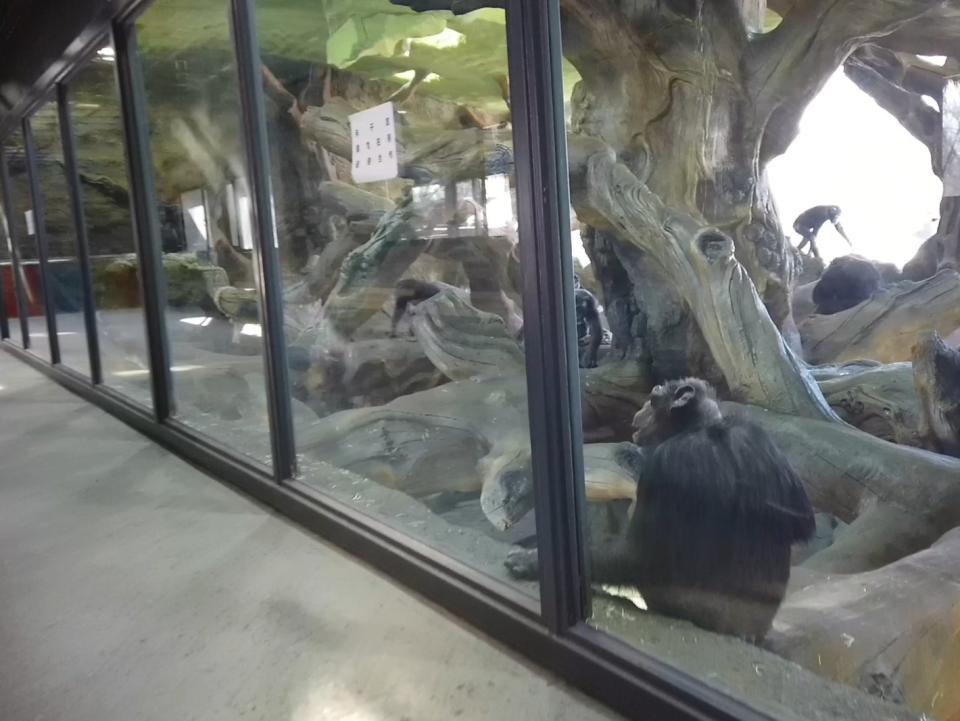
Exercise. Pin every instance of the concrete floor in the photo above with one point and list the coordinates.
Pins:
(134, 587)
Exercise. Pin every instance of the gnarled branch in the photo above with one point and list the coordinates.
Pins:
(744, 341)
(883, 78)
(789, 66)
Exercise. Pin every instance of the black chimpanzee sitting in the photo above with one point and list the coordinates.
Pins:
(589, 328)
(847, 281)
(809, 222)
(718, 509)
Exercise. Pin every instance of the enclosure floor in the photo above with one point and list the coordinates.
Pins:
(133, 586)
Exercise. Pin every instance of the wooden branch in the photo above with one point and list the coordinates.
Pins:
(361, 374)
(892, 632)
(603, 27)
(405, 91)
(369, 274)
(936, 370)
(351, 215)
(905, 70)
(486, 263)
(885, 327)
(909, 108)
(464, 342)
(881, 401)
(284, 99)
(757, 364)
(463, 436)
(935, 32)
(790, 65)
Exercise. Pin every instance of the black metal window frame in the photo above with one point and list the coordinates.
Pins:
(12, 242)
(553, 633)
(40, 235)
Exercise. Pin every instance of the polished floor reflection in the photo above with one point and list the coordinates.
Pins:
(134, 586)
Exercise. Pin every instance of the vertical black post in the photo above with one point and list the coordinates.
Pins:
(553, 385)
(40, 233)
(269, 281)
(144, 208)
(5, 238)
(18, 277)
(80, 222)
(4, 325)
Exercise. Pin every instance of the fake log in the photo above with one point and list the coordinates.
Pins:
(464, 436)
(744, 341)
(363, 373)
(885, 327)
(464, 342)
(369, 274)
(486, 261)
(611, 395)
(936, 369)
(893, 632)
(862, 480)
(881, 401)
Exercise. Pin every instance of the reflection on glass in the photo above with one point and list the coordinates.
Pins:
(101, 163)
(397, 234)
(24, 235)
(8, 280)
(63, 268)
(704, 552)
(213, 312)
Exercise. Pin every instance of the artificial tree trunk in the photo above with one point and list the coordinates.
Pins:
(675, 112)
(694, 105)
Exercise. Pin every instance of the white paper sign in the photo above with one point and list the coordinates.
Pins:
(375, 152)
(31, 228)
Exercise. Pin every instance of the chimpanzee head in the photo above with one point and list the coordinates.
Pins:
(675, 407)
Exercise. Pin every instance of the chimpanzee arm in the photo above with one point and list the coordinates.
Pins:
(611, 561)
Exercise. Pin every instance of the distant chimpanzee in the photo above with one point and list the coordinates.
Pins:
(588, 323)
(847, 281)
(809, 222)
(410, 291)
(718, 508)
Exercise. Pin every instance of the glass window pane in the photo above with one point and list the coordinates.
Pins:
(26, 240)
(8, 280)
(402, 280)
(102, 165)
(756, 542)
(213, 312)
(63, 267)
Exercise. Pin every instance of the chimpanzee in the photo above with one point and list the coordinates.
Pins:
(410, 291)
(718, 508)
(809, 222)
(847, 281)
(588, 323)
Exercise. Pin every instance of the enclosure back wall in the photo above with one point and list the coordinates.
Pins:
(327, 251)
